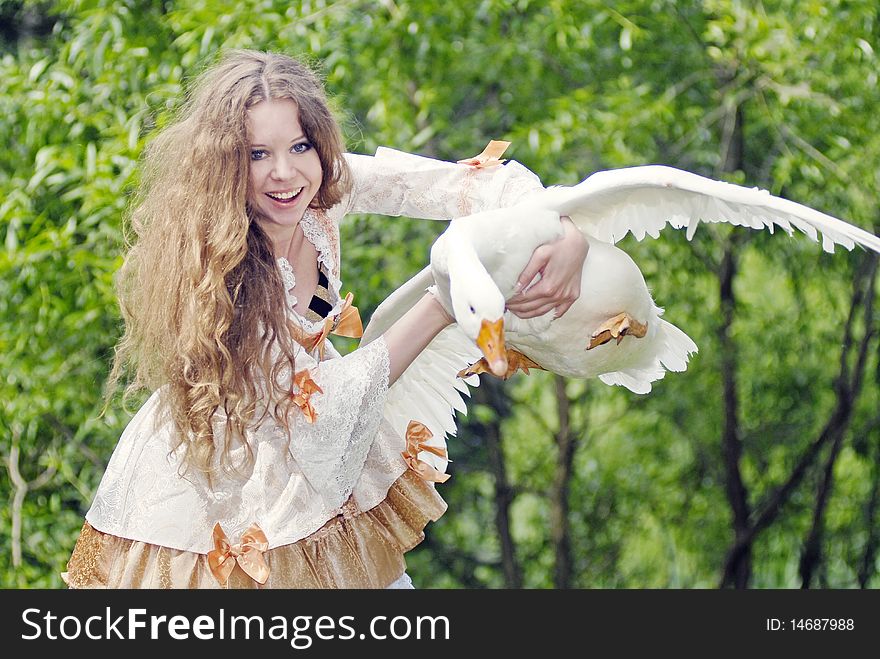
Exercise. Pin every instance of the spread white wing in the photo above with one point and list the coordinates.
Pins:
(643, 200)
(429, 390)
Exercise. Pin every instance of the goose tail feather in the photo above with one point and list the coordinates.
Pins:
(674, 349)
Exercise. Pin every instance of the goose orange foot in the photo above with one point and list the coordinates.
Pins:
(616, 328)
(515, 361)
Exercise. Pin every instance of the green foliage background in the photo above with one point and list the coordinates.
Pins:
(576, 86)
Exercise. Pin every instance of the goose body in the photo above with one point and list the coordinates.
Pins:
(476, 263)
(611, 284)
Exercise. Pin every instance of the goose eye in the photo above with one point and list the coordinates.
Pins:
(472, 309)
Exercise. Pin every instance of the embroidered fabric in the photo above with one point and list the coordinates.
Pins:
(351, 454)
(363, 550)
(398, 183)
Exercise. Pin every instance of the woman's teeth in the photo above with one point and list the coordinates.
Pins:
(284, 196)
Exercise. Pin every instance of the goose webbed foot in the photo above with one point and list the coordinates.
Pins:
(516, 361)
(616, 328)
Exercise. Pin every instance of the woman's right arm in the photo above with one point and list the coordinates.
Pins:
(411, 334)
(340, 420)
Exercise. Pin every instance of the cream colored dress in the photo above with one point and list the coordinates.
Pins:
(335, 499)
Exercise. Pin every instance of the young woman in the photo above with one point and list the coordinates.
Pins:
(261, 458)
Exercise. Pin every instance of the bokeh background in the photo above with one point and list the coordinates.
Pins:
(758, 467)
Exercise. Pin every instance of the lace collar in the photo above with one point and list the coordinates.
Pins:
(323, 244)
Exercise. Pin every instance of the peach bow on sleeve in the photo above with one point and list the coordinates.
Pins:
(490, 156)
(417, 434)
(248, 554)
(302, 399)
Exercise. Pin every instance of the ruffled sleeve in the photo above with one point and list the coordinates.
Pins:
(305, 475)
(330, 451)
(397, 183)
(296, 481)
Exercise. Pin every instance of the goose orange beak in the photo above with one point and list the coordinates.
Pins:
(490, 341)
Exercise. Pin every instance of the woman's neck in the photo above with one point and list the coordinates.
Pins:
(286, 241)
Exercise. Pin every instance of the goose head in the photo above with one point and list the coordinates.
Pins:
(478, 307)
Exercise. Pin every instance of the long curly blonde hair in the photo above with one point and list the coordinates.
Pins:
(200, 292)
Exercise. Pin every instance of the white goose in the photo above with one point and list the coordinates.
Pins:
(475, 264)
(477, 260)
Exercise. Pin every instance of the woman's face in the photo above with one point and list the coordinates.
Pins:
(285, 171)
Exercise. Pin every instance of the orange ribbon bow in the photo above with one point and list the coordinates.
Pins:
(490, 156)
(417, 434)
(248, 554)
(346, 323)
(307, 387)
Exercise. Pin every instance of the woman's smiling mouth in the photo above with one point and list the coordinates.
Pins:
(284, 197)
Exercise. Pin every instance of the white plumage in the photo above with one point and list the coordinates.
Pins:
(477, 260)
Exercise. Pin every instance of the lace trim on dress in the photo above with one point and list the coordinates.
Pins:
(289, 280)
(322, 232)
(317, 235)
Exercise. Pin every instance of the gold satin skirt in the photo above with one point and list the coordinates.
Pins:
(364, 550)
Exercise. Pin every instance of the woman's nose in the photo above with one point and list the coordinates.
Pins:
(284, 169)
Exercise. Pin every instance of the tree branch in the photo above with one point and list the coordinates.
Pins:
(848, 390)
(731, 444)
(866, 569)
(732, 159)
(773, 505)
(498, 399)
(21, 489)
(560, 530)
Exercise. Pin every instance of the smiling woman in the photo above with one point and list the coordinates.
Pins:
(264, 458)
(285, 177)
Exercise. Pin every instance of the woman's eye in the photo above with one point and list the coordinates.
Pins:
(301, 147)
(258, 154)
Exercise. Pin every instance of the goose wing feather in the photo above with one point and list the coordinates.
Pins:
(429, 390)
(644, 200)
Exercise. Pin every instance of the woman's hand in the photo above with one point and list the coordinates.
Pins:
(560, 264)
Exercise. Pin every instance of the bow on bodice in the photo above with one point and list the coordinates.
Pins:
(346, 323)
